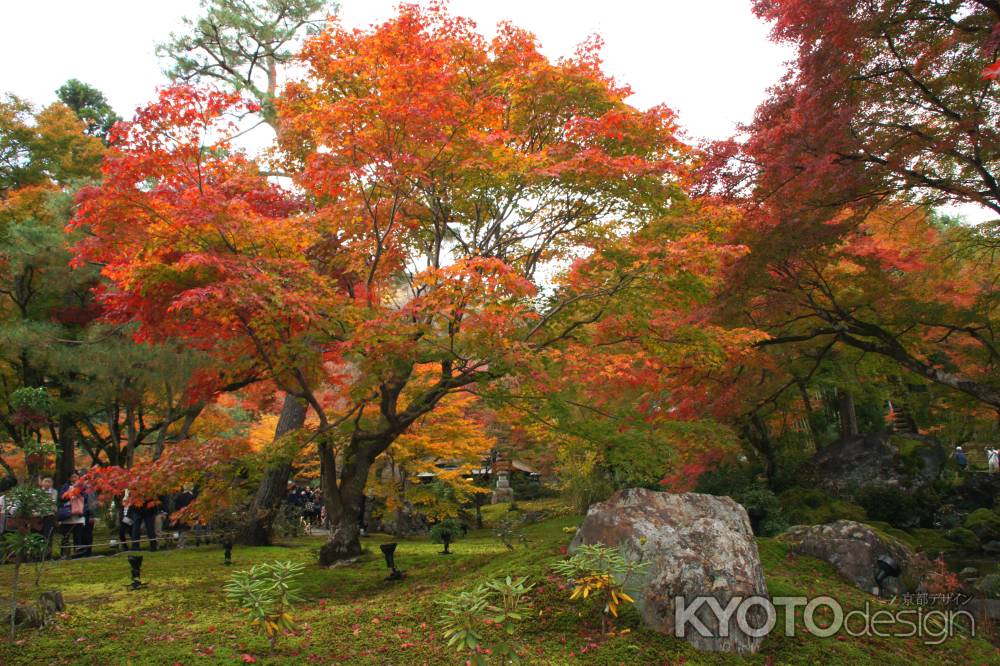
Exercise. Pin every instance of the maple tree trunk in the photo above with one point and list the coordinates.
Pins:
(274, 485)
(344, 501)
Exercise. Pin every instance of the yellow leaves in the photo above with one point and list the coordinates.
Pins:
(605, 586)
(262, 431)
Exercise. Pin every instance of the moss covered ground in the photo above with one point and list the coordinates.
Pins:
(351, 615)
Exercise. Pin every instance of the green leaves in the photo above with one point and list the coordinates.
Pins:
(25, 500)
(23, 545)
(461, 612)
(509, 593)
(496, 602)
(603, 572)
(266, 593)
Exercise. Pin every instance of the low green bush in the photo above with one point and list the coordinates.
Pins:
(888, 504)
(764, 510)
(465, 614)
(445, 532)
(266, 593)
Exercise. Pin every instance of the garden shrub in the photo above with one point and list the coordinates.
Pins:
(764, 510)
(602, 573)
(582, 480)
(445, 532)
(888, 504)
(465, 613)
(728, 480)
(526, 488)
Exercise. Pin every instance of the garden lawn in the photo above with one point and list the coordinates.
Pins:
(351, 615)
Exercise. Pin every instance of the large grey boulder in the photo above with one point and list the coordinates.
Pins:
(695, 546)
(852, 549)
(905, 462)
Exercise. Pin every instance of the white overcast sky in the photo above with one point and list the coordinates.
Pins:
(710, 61)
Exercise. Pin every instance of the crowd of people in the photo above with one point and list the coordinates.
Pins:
(67, 519)
(992, 459)
(307, 503)
(67, 522)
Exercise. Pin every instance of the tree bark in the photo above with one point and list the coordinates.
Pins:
(274, 486)
(66, 458)
(848, 414)
(343, 500)
(756, 432)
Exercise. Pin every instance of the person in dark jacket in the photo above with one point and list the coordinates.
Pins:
(145, 515)
(181, 501)
(960, 458)
(89, 517)
(71, 519)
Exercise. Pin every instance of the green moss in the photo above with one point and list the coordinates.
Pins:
(908, 447)
(985, 524)
(802, 506)
(352, 615)
(918, 538)
(963, 538)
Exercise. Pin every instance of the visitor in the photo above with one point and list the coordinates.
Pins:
(309, 507)
(70, 516)
(317, 513)
(993, 460)
(126, 516)
(6, 509)
(960, 458)
(90, 507)
(181, 501)
(49, 523)
(145, 515)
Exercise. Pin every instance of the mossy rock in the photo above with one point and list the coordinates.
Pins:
(989, 586)
(985, 524)
(804, 506)
(963, 538)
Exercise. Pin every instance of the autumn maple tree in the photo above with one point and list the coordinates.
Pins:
(440, 180)
(888, 112)
(885, 99)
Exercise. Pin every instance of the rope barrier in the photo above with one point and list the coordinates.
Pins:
(129, 543)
